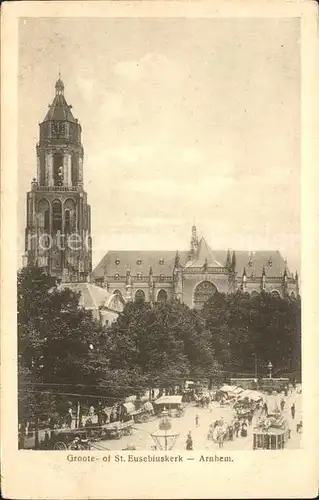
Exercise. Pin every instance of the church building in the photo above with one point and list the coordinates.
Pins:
(193, 276)
(58, 239)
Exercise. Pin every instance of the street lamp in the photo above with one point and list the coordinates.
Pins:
(256, 366)
(164, 438)
(269, 368)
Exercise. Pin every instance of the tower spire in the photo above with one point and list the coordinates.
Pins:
(59, 86)
(194, 241)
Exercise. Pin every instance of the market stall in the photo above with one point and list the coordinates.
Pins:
(173, 404)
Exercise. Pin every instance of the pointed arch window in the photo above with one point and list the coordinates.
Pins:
(58, 169)
(162, 296)
(74, 170)
(67, 221)
(57, 215)
(140, 296)
(203, 292)
(47, 221)
(44, 215)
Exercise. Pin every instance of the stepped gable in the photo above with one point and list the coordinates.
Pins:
(119, 261)
(204, 254)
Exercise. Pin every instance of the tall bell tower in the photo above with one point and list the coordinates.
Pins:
(58, 231)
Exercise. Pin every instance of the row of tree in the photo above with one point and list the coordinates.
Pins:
(63, 352)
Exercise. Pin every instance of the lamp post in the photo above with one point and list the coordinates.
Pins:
(256, 366)
(270, 368)
(165, 438)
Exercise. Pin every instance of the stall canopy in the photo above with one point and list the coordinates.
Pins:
(251, 395)
(130, 407)
(231, 389)
(168, 400)
(226, 388)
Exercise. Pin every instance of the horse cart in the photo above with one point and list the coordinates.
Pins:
(69, 439)
(116, 430)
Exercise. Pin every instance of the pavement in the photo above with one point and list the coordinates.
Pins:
(142, 439)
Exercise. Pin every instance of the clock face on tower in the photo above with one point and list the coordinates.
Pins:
(58, 128)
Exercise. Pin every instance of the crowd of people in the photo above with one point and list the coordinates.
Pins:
(244, 416)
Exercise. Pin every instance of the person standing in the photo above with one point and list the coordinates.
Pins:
(231, 433)
(243, 432)
(293, 411)
(236, 427)
(189, 442)
(197, 421)
(220, 438)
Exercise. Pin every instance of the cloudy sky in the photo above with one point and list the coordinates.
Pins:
(184, 120)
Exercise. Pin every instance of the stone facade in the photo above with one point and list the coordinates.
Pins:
(58, 231)
(193, 276)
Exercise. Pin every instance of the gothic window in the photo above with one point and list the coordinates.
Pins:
(139, 276)
(117, 276)
(254, 293)
(47, 221)
(161, 261)
(117, 261)
(58, 169)
(276, 294)
(57, 215)
(43, 215)
(74, 170)
(140, 296)
(139, 262)
(292, 295)
(203, 292)
(69, 216)
(162, 296)
(67, 222)
(161, 277)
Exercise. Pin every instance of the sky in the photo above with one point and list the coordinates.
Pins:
(184, 121)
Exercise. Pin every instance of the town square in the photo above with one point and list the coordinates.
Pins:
(151, 315)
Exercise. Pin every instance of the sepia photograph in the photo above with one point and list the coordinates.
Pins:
(159, 295)
(158, 266)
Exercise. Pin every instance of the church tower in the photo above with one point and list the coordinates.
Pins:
(58, 232)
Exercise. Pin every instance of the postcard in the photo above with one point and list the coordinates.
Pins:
(158, 305)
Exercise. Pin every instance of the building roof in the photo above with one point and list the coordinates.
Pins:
(59, 110)
(92, 296)
(204, 255)
(254, 262)
(119, 261)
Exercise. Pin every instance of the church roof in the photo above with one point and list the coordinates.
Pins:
(204, 255)
(138, 261)
(162, 262)
(254, 262)
(59, 110)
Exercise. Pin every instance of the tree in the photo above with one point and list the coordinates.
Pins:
(264, 326)
(163, 344)
(54, 340)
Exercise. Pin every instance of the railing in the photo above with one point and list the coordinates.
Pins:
(142, 279)
(275, 279)
(208, 270)
(35, 187)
